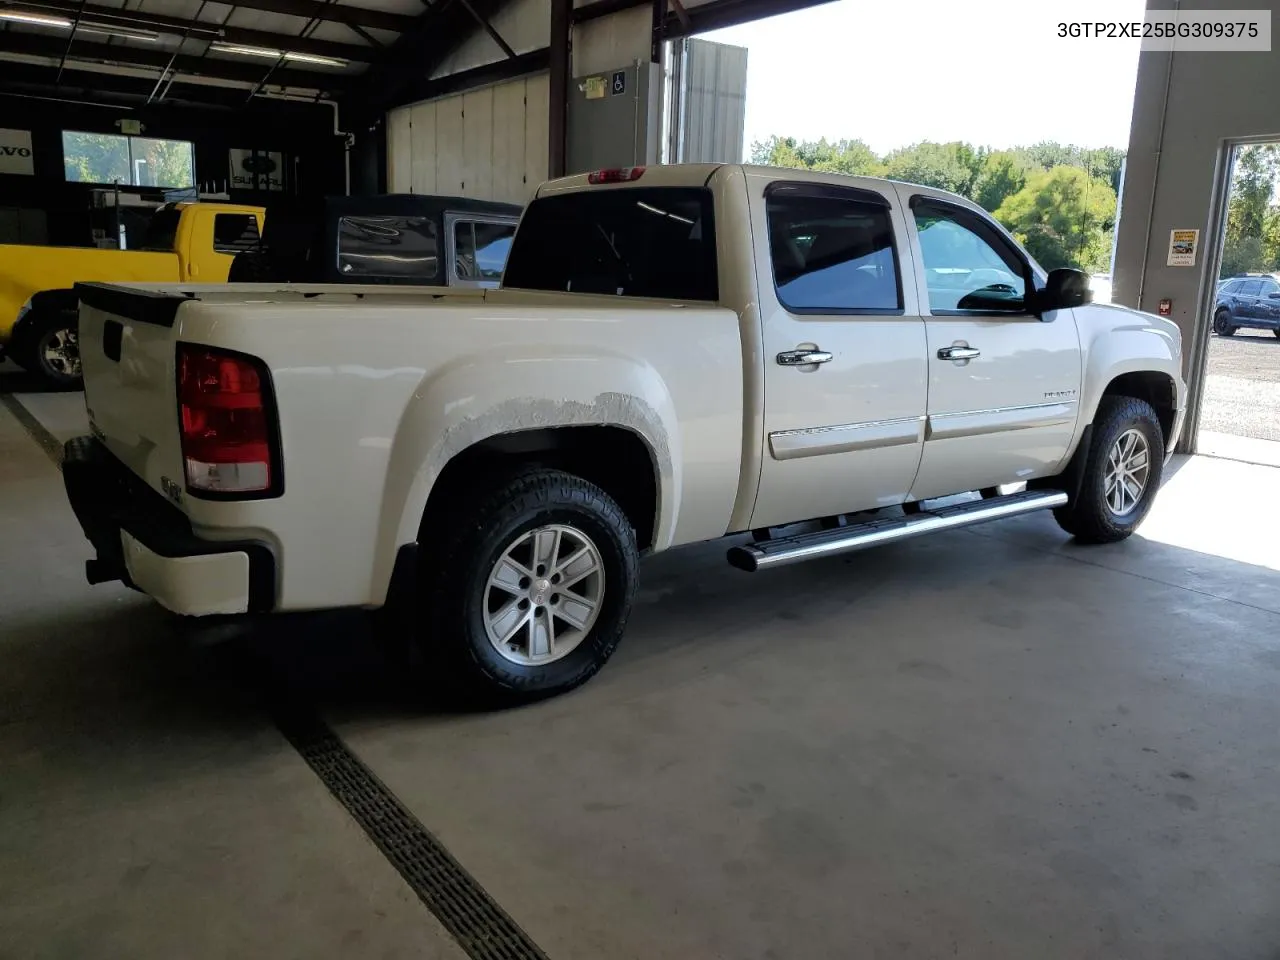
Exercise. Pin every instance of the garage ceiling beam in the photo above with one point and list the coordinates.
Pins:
(178, 26)
(729, 13)
(28, 79)
(701, 18)
(535, 61)
(494, 35)
(250, 73)
(419, 51)
(334, 12)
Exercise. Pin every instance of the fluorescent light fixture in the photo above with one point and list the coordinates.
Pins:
(128, 33)
(63, 23)
(289, 55)
(38, 19)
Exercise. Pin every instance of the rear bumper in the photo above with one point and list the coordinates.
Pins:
(145, 541)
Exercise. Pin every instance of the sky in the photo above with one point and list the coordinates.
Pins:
(991, 72)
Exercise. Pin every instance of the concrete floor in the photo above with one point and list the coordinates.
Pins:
(989, 744)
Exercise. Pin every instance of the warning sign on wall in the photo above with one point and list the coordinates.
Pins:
(1182, 247)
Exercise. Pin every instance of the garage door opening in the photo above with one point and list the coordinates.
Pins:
(842, 88)
(1240, 409)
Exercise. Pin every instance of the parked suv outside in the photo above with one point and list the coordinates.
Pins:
(1252, 301)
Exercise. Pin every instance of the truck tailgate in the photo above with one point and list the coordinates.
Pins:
(127, 348)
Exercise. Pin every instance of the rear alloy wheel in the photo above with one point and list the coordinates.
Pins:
(527, 591)
(1222, 324)
(544, 595)
(55, 353)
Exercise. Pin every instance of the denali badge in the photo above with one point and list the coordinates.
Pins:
(171, 489)
(1059, 394)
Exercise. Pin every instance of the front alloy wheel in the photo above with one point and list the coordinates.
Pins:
(1121, 474)
(1128, 467)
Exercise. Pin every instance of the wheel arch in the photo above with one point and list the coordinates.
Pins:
(40, 304)
(615, 458)
(1155, 387)
(492, 411)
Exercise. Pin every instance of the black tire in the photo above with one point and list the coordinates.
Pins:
(1222, 324)
(1276, 331)
(456, 577)
(58, 331)
(1089, 518)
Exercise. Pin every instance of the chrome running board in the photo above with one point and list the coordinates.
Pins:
(825, 543)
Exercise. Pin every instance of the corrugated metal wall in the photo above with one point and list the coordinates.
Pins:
(490, 143)
(709, 103)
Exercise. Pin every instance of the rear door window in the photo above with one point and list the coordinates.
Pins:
(235, 232)
(832, 250)
(634, 242)
(1250, 288)
(388, 248)
(480, 249)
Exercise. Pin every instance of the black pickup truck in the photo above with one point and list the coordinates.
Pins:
(390, 238)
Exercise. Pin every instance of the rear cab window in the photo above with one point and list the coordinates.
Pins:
(388, 248)
(654, 242)
(235, 233)
(832, 250)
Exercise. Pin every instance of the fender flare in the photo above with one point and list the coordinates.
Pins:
(41, 304)
(446, 417)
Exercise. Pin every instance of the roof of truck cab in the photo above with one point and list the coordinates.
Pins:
(417, 204)
(698, 174)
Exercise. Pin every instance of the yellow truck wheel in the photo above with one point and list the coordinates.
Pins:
(51, 350)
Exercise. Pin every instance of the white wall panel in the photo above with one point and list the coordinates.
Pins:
(611, 42)
(399, 151)
(450, 159)
(423, 117)
(490, 143)
(508, 139)
(477, 143)
(537, 137)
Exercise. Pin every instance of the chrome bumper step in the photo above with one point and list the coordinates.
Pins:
(825, 543)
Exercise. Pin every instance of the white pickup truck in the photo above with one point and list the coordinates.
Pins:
(676, 354)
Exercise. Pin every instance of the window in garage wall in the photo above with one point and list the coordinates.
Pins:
(129, 161)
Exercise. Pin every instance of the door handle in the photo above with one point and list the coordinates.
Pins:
(958, 353)
(800, 358)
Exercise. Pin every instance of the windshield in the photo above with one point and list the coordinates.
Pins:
(632, 242)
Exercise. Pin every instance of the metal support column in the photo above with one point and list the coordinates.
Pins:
(558, 108)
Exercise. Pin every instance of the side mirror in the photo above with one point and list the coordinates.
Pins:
(1064, 288)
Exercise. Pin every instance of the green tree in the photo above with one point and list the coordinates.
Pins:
(1064, 217)
(1252, 242)
(95, 157)
(1003, 173)
(947, 166)
(851, 157)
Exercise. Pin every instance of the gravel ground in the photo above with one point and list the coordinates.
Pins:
(1242, 391)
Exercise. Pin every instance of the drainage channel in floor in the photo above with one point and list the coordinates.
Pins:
(464, 908)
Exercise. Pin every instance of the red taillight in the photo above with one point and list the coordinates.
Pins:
(227, 422)
(616, 175)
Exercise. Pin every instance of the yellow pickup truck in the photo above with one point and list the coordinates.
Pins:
(184, 242)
